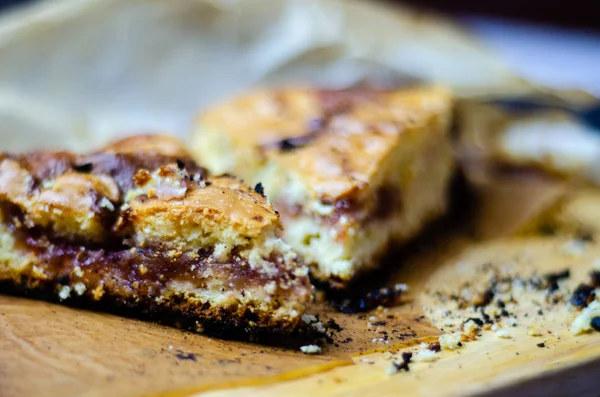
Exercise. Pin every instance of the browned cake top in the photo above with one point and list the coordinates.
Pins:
(336, 140)
(121, 190)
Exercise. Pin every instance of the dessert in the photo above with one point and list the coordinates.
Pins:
(139, 225)
(353, 173)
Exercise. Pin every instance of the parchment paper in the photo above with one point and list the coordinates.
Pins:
(76, 73)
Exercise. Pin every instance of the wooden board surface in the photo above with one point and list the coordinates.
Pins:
(47, 349)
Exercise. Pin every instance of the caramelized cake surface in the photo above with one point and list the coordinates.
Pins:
(352, 172)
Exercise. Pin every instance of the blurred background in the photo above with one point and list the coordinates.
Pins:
(574, 13)
(555, 43)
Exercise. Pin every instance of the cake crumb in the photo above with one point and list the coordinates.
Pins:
(77, 271)
(310, 349)
(574, 248)
(502, 333)
(533, 331)
(64, 293)
(426, 355)
(450, 341)
(396, 367)
(583, 322)
(80, 288)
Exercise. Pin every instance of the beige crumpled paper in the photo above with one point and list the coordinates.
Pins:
(74, 73)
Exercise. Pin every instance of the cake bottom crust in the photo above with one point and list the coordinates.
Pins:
(185, 289)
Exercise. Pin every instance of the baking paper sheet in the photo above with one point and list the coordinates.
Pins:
(76, 73)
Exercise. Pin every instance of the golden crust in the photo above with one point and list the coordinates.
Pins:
(204, 213)
(344, 136)
(75, 204)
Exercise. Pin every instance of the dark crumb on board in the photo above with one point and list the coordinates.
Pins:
(180, 164)
(331, 324)
(406, 357)
(180, 354)
(347, 340)
(547, 230)
(476, 320)
(434, 346)
(483, 299)
(259, 189)
(64, 279)
(379, 297)
(583, 295)
(585, 236)
(595, 278)
(378, 323)
(595, 323)
(541, 344)
(552, 279)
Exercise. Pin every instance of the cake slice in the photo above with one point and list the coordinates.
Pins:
(140, 225)
(353, 173)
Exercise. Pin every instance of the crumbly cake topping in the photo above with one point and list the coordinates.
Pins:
(92, 197)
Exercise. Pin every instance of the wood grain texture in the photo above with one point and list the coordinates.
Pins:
(47, 349)
(503, 367)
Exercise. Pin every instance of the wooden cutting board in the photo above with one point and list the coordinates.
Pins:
(51, 350)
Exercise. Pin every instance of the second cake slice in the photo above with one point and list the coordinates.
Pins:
(352, 172)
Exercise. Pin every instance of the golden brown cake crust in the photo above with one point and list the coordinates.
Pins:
(336, 139)
(140, 224)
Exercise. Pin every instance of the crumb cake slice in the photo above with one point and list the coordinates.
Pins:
(140, 225)
(352, 172)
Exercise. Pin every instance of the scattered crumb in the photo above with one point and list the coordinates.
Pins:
(573, 248)
(80, 288)
(533, 331)
(185, 356)
(541, 344)
(450, 341)
(331, 324)
(77, 271)
(310, 349)
(318, 326)
(426, 355)
(502, 333)
(471, 327)
(583, 322)
(64, 292)
(396, 367)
